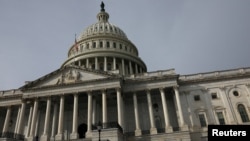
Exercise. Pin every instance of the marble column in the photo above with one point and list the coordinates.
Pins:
(105, 63)
(54, 121)
(34, 120)
(29, 122)
(89, 128)
(104, 107)
(87, 63)
(7, 121)
(74, 134)
(119, 106)
(137, 119)
(130, 68)
(136, 68)
(96, 64)
(114, 63)
(182, 125)
(94, 111)
(168, 128)
(123, 67)
(153, 130)
(21, 118)
(17, 119)
(45, 135)
(59, 135)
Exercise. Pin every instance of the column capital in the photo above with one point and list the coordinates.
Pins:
(161, 89)
(103, 90)
(147, 90)
(118, 89)
(176, 86)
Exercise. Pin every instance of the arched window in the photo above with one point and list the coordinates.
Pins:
(243, 113)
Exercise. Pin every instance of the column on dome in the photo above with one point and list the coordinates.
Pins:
(114, 63)
(34, 120)
(137, 119)
(45, 136)
(136, 69)
(21, 118)
(79, 63)
(153, 130)
(54, 121)
(89, 128)
(104, 107)
(123, 67)
(96, 63)
(59, 135)
(182, 125)
(87, 62)
(105, 63)
(6, 122)
(168, 128)
(130, 68)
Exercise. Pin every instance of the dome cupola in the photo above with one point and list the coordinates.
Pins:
(104, 46)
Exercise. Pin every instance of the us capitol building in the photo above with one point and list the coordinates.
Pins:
(104, 92)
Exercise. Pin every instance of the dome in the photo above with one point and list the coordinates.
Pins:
(104, 46)
(102, 28)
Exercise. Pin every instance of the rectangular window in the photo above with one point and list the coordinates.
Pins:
(214, 96)
(202, 120)
(100, 43)
(196, 98)
(220, 118)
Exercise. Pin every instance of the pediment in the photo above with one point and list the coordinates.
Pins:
(69, 75)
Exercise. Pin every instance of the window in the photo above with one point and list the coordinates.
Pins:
(220, 118)
(87, 46)
(243, 113)
(94, 44)
(114, 45)
(214, 96)
(196, 98)
(235, 93)
(202, 120)
(120, 46)
(107, 44)
(101, 44)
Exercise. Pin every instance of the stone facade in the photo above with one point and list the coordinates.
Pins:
(104, 90)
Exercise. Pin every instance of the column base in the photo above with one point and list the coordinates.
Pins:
(168, 129)
(59, 137)
(52, 138)
(184, 127)
(88, 134)
(74, 136)
(138, 132)
(31, 139)
(44, 138)
(153, 131)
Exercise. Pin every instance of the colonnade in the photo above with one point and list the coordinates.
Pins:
(105, 63)
(168, 127)
(57, 120)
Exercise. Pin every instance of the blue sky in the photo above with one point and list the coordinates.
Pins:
(191, 36)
